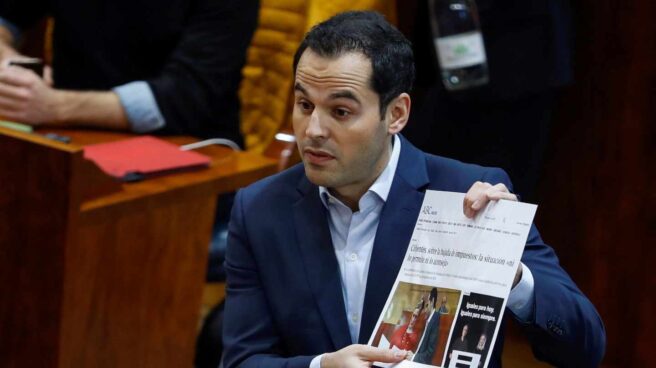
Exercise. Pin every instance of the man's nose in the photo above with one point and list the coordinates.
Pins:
(315, 128)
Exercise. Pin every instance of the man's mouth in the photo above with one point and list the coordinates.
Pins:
(317, 157)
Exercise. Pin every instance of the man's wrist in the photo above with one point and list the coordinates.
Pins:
(100, 109)
(62, 101)
(66, 105)
(521, 300)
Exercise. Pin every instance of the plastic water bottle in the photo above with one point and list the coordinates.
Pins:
(459, 43)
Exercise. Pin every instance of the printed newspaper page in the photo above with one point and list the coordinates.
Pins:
(451, 291)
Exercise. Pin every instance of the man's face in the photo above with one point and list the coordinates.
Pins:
(465, 329)
(481, 341)
(413, 319)
(342, 139)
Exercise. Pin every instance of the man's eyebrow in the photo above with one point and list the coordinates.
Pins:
(344, 94)
(298, 87)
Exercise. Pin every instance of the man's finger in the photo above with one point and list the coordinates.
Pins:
(17, 76)
(47, 75)
(502, 195)
(13, 92)
(373, 354)
(473, 198)
(10, 115)
(11, 105)
(481, 193)
(500, 191)
(500, 187)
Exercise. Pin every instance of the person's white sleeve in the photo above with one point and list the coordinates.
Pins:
(140, 106)
(15, 31)
(522, 297)
(316, 362)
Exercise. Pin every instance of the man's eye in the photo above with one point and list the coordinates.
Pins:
(305, 106)
(342, 113)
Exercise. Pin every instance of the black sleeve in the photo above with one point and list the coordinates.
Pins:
(23, 13)
(197, 88)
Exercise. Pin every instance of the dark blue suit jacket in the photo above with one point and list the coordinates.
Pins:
(284, 300)
(426, 350)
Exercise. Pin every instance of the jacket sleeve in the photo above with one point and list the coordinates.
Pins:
(565, 329)
(249, 335)
(197, 88)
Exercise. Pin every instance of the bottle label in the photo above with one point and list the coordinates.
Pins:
(461, 50)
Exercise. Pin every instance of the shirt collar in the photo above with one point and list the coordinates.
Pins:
(383, 183)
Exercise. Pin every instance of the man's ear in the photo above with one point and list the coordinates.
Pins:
(398, 113)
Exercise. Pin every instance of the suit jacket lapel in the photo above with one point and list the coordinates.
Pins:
(397, 222)
(318, 254)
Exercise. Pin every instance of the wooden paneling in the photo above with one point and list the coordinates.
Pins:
(597, 197)
(96, 273)
(34, 182)
(135, 303)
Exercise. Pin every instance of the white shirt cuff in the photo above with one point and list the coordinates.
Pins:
(522, 297)
(316, 362)
(140, 106)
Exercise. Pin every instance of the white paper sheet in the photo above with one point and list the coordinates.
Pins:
(472, 264)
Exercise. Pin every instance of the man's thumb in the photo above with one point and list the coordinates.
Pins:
(373, 354)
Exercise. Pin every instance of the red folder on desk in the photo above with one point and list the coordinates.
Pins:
(136, 158)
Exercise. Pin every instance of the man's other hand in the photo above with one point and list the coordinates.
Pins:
(478, 196)
(354, 356)
(481, 193)
(26, 97)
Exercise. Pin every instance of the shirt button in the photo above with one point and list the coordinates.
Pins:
(354, 317)
(353, 257)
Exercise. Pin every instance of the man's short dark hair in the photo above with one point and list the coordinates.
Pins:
(368, 33)
(433, 297)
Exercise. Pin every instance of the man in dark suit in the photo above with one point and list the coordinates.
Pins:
(432, 332)
(144, 66)
(313, 252)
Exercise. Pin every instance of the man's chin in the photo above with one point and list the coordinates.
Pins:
(320, 176)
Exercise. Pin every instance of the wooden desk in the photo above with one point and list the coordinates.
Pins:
(96, 273)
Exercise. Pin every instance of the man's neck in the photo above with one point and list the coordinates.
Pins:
(351, 195)
(350, 198)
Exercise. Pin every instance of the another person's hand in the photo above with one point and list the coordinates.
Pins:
(26, 98)
(354, 356)
(47, 70)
